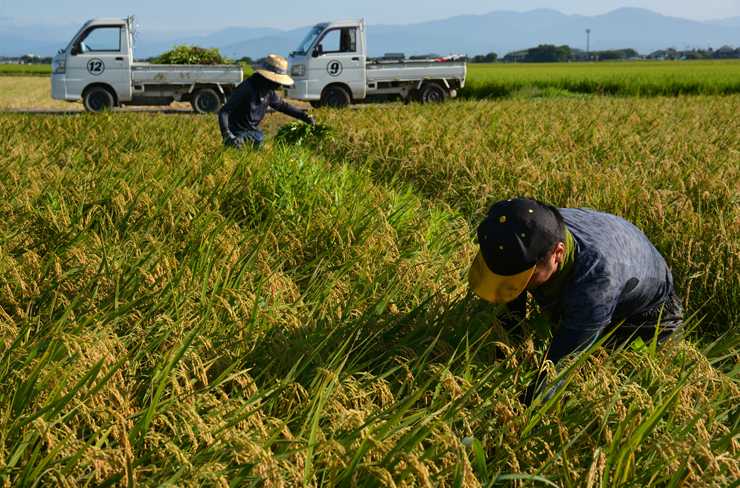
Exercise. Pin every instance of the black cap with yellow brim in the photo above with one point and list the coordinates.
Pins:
(496, 288)
(513, 237)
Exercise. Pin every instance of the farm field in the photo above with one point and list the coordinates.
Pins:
(34, 92)
(173, 312)
(24, 91)
(18, 92)
(25, 69)
(533, 80)
(636, 78)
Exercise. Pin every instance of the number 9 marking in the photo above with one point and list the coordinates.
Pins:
(334, 68)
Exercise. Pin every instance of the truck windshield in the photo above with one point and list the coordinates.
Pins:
(308, 40)
(104, 38)
(82, 29)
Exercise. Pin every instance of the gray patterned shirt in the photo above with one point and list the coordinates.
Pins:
(617, 273)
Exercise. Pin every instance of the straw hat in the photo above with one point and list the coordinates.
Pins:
(274, 68)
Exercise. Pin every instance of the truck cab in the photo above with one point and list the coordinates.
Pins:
(330, 68)
(97, 66)
(331, 55)
(98, 55)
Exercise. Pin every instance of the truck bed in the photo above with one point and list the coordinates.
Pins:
(415, 70)
(143, 73)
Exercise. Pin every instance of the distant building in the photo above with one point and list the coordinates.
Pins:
(514, 57)
(664, 54)
(726, 52)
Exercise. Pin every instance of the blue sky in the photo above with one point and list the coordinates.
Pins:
(197, 15)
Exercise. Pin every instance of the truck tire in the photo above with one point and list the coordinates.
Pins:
(205, 101)
(432, 93)
(334, 96)
(98, 99)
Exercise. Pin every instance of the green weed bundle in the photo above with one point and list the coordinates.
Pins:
(299, 133)
(186, 54)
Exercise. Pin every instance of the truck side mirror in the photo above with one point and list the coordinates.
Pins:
(318, 51)
(73, 51)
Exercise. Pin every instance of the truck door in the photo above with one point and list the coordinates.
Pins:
(338, 58)
(100, 55)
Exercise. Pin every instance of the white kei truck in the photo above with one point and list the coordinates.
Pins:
(97, 66)
(329, 68)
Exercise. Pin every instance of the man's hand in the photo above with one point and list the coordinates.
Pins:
(311, 121)
(230, 140)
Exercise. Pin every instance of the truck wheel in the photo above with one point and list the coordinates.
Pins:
(432, 93)
(334, 96)
(98, 99)
(205, 101)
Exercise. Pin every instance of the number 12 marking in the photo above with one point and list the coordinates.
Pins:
(95, 66)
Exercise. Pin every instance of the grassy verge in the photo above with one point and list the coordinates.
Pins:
(21, 92)
(34, 92)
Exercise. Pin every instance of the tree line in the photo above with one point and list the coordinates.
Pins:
(549, 53)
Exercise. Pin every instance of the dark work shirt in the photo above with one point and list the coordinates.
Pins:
(617, 273)
(247, 105)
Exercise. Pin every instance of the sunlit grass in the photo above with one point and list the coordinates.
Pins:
(18, 92)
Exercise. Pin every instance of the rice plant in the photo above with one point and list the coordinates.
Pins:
(173, 312)
(670, 165)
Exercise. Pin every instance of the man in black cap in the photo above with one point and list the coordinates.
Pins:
(595, 270)
(240, 116)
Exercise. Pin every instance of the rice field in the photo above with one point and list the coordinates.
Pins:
(173, 313)
(632, 78)
(671, 165)
(526, 80)
(25, 69)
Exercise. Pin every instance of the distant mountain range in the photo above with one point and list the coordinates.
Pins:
(498, 31)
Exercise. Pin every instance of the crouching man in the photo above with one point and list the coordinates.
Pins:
(596, 271)
(241, 115)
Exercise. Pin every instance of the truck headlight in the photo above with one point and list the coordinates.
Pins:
(59, 67)
(298, 70)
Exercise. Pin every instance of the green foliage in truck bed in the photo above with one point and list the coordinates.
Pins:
(186, 54)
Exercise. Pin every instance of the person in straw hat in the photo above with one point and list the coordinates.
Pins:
(596, 273)
(241, 115)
